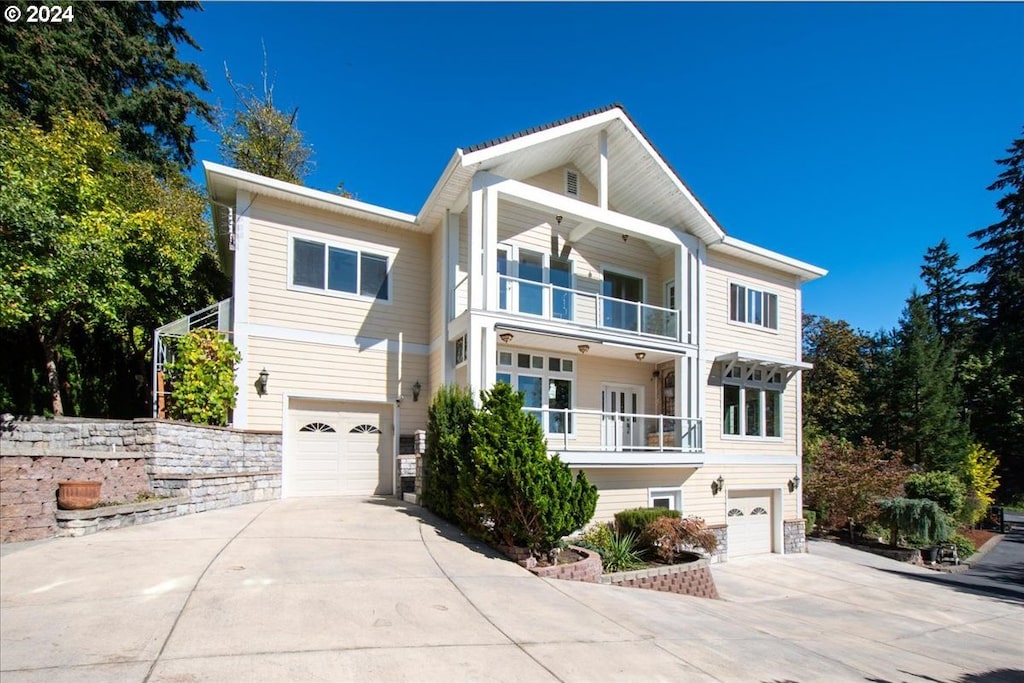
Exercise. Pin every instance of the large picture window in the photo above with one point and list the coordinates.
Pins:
(753, 307)
(752, 403)
(317, 265)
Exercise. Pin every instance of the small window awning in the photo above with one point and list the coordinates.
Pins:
(763, 362)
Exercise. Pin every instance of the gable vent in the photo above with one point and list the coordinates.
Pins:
(572, 183)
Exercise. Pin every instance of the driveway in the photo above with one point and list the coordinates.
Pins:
(346, 589)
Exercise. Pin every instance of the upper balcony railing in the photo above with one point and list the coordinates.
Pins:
(586, 308)
(597, 430)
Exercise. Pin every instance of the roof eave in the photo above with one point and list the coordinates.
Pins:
(736, 247)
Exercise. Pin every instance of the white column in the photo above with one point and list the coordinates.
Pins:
(475, 264)
(489, 355)
(490, 246)
(240, 303)
(602, 175)
(798, 382)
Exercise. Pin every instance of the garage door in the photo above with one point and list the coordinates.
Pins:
(750, 523)
(338, 450)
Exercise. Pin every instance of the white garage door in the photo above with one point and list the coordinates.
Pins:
(339, 450)
(750, 523)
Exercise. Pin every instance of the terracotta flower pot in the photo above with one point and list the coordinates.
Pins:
(78, 495)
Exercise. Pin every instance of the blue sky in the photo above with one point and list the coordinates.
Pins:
(851, 136)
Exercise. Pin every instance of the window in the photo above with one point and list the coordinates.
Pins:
(751, 402)
(460, 351)
(668, 498)
(317, 265)
(547, 384)
(753, 307)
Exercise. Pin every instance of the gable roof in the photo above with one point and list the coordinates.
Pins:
(641, 182)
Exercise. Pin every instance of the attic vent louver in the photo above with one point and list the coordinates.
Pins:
(572, 183)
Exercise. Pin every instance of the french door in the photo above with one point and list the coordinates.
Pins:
(621, 428)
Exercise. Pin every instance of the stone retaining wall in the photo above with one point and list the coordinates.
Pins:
(587, 570)
(214, 466)
(84, 522)
(794, 533)
(28, 486)
(693, 578)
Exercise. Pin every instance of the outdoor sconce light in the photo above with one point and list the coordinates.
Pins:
(506, 337)
(416, 389)
(794, 483)
(583, 348)
(717, 485)
(625, 238)
(640, 355)
(261, 383)
(558, 219)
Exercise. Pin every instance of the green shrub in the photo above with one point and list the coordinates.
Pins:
(635, 520)
(942, 487)
(622, 554)
(810, 516)
(597, 538)
(202, 378)
(512, 492)
(448, 449)
(665, 536)
(964, 546)
(918, 518)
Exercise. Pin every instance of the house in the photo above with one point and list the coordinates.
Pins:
(661, 355)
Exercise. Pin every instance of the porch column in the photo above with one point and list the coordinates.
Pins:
(602, 174)
(490, 246)
(481, 344)
(474, 262)
(240, 309)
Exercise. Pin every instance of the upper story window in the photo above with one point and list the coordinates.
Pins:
(753, 306)
(325, 267)
(752, 402)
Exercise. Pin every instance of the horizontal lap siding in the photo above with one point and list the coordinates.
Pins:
(272, 303)
(725, 337)
(699, 501)
(305, 369)
(622, 489)
(438, 322)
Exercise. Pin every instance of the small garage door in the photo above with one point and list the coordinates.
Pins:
(750, 523)
(338, 450)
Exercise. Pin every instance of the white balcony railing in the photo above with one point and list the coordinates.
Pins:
(597, 430)
(586, 308)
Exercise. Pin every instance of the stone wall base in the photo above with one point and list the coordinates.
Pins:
(794, 533)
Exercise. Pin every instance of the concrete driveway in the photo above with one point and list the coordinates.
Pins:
(345, 589)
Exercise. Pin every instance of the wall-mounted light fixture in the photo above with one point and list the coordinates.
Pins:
(794, 483)
(558, 219)
(416, 389)
(625, 238)
(583, 348)
(640, 355)
(717, 485)
(261, 382)
(506, 337)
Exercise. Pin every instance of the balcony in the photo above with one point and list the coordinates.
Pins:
(588, 309)
(601, 431)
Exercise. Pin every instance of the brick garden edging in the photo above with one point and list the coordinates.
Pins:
(693, 578)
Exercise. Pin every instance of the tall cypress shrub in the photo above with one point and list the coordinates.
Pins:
(448, 448)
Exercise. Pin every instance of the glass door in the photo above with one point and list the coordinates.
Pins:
(621, 428)
(620, 314)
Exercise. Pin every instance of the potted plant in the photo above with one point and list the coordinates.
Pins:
(78, 495)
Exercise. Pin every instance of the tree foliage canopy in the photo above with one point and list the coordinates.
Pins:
(117, 63)
(89, 239)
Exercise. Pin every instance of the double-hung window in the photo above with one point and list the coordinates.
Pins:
(752, 402)
(326, 267)
(753, 306)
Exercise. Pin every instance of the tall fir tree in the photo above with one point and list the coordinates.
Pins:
(116, 62)
(833, 392)
(996, 369)
(946, 294)
(926, 398)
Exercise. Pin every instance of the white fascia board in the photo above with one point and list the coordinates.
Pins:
(741, 249)
(628, 460)
(544, 200)
(541, 136)
(715, 227)
(219, 177)
(453, 163)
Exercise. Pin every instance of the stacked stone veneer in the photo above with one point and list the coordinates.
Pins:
(693, 578)
(794, 536)
(209, 467)
(721, 553)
